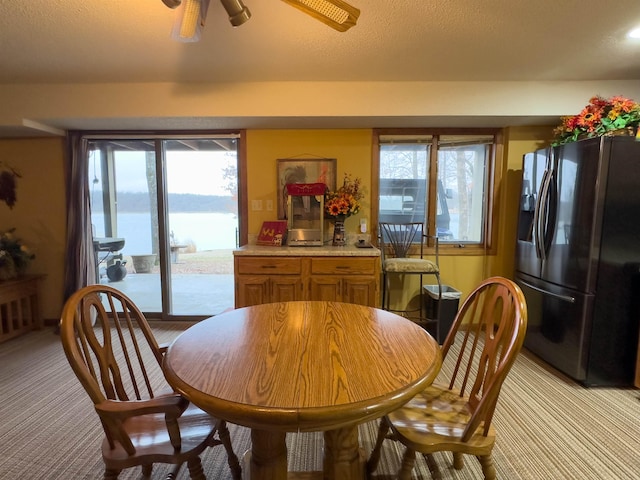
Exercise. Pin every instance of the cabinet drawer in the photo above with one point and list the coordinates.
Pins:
(344, 265)
(268, 265)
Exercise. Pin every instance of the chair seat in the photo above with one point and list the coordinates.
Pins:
(150, 438)
(409, 265)
(434, 420)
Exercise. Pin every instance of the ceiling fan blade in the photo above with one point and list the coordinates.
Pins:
(335, 13)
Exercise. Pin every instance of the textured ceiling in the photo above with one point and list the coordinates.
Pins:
(128, 41)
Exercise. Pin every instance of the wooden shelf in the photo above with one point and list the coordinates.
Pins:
(19, 308)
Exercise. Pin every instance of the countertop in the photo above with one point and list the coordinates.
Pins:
(324, 251)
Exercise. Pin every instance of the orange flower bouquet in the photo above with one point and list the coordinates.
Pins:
(600, 117)
(345, 201)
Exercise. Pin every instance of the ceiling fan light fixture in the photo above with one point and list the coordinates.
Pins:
(337, 14)
(190, 20)
(238, 13)
(172, 3)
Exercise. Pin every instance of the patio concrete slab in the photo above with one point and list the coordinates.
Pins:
(193, 294)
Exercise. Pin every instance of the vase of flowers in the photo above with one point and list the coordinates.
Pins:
(616, 115)
(341, 204)
(15, 256)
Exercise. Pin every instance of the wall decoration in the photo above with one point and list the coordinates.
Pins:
(299, 170)
(8, 177)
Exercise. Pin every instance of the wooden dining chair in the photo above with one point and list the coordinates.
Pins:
(455, 413)
(114, 354)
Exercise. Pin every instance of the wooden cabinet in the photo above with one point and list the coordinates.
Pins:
(258, 289)
(265, 279)
(340, 279)
(360, 290)
(19, 309)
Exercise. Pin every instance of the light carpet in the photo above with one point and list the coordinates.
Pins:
(548, 426)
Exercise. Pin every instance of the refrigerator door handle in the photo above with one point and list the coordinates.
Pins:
(538, 218)
(566, 298)
(551, 210)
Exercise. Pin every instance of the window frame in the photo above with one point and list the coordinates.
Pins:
(493, 177)
(157, 140)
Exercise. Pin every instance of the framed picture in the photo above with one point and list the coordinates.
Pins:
(292, 170)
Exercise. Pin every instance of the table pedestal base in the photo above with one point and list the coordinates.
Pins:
(342, 457)
(267, 459)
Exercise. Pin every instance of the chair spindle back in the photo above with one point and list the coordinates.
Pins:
(488, 332)
(110, 345)
(401, 236)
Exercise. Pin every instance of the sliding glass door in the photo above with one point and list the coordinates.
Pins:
(165, 220)
(202, 223)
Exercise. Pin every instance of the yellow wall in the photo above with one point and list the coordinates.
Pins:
(39, 213)
(351, 148)
(40, 218)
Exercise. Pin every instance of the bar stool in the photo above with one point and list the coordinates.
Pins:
(395, 240)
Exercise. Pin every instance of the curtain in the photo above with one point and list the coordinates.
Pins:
(80, 262)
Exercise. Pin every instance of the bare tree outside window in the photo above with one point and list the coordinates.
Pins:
(460, 196)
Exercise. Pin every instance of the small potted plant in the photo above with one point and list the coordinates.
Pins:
(15, 256)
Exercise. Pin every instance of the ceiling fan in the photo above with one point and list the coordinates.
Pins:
(338, 14)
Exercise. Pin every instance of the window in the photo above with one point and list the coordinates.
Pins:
(442, 179)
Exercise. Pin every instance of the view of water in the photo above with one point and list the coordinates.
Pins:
(208, 231)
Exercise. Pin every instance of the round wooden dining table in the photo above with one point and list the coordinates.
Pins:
(300, 367)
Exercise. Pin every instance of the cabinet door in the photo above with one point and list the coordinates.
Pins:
(327, 289)
(350, 289)
(252, 290)
(360, 290)
(286, 288)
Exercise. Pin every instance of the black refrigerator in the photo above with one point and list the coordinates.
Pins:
(578, 257)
